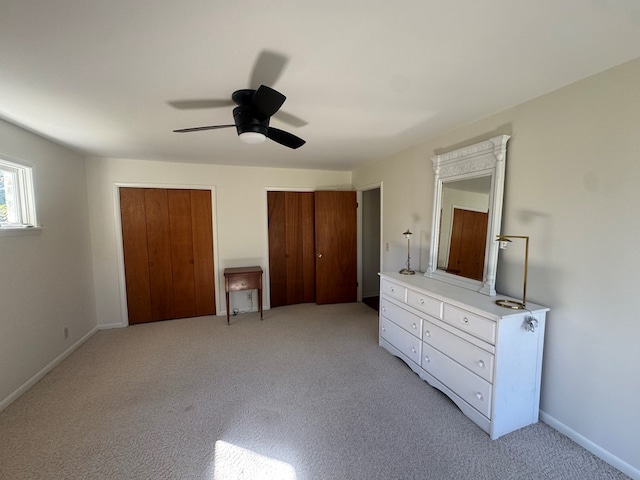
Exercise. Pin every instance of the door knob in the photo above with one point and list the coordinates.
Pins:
(319, 255)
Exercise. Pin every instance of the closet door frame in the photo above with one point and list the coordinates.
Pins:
(122, 284)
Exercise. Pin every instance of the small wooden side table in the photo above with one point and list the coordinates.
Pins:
(243, 278)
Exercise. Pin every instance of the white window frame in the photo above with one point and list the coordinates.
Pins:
(24, 207)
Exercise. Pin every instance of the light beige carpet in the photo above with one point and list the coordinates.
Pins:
(305, 394)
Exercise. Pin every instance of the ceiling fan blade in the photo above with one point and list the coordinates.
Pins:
(201, 103)
(284, 138)
(199, 129)
(266, 101)
(290, 119)
(267, 69)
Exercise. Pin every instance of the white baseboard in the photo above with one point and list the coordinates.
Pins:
(33, 380)
(597, 450)
(109, 326)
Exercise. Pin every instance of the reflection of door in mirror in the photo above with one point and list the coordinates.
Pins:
(468, 242)
(463, 227)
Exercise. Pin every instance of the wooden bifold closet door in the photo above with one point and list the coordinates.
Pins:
(168, 253)
(291, 248)
(312, 247)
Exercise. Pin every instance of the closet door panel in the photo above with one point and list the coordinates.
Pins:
(136, 260)
(299, 239)
(277, 248)
(159, 251)
(182, 258)
(308, 247)
(202, 227)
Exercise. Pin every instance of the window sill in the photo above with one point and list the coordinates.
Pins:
(18, 231)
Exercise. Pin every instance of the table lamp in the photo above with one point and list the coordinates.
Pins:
(408, 271)
(512, 303)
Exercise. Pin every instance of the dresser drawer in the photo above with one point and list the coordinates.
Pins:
(474, 358)
(476, 325)
(467, 385)
(424, 303)
(393, 290)
(398, 315)
(401, 339)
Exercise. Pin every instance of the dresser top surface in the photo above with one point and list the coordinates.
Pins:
(459, 296)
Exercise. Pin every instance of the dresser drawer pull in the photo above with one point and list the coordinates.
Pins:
(413, 349)
(392, 289)
(422, 301)
(414, 325)
(384, 329)
(384, 309)
(479, 396)
(427, 333)
(465, 320)
(480, 363)
(427, 359)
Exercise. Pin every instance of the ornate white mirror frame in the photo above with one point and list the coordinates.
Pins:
(481, 163)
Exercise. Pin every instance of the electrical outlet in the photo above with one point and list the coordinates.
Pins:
(249, 296)
(66, 332)
(386, 246)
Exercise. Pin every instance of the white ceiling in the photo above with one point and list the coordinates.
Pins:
(369, 77)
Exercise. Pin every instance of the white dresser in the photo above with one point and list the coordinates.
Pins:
(486, 358)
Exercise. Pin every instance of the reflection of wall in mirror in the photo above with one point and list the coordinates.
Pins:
(456, 198)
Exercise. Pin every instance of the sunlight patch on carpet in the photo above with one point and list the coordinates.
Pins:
(236, 463)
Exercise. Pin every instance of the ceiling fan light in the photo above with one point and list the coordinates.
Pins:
(252, 137)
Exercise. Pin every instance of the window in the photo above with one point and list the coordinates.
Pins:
(17, 203)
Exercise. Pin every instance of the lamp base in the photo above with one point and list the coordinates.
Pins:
(407, 271)
(511, 304)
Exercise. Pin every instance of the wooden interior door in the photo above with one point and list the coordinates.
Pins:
(202, 229)
(291, 247)
(136, 255)
(468, 243)
(336, 249)
(159, 250)
(277, 248)
(182, 263)
(168, 253)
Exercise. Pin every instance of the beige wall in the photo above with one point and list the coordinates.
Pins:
(240, 216)
(46, 281)
(572, 185)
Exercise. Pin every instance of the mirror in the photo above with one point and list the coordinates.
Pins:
(467, 213)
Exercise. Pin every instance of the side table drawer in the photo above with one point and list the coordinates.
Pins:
(477, 360)
(398, 315)
(476, 325)
(243, 282)
(401, 339)
(467, 385)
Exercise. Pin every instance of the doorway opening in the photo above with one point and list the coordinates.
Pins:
(370, 247)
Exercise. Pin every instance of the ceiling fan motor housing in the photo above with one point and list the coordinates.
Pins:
(245, 121)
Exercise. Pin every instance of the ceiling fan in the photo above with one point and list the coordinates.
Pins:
(254, 106)
(251, 116)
